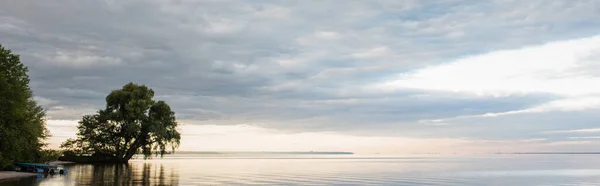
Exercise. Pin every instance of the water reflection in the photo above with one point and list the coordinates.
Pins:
(125, 174)
(149, 173)
(332, 170)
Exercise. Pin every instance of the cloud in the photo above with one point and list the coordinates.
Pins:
(372, 53)
(82, 60)
(564, 105)
(44, 101)
(499, 70)
(554, 68)
(227, 138)
(549, 68)
(590, 130)
(585, 137)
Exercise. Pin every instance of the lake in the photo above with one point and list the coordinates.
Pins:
(335, 170)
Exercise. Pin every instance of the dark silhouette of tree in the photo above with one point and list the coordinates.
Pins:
(132, 122)
(22, 124)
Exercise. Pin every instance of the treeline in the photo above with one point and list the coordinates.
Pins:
(132, 122)
(22, 124)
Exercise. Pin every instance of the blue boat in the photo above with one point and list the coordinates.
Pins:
(39, 168)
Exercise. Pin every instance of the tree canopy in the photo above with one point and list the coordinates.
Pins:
(132, 122)
(22, 124)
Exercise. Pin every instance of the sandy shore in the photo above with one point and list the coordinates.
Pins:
(7, 175)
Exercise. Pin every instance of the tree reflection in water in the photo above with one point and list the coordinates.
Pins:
(129, 174)
(107, 174)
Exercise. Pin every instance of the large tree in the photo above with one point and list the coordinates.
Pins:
(22, 128)
(132, 122)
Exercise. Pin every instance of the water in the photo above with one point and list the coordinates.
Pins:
(336, 170)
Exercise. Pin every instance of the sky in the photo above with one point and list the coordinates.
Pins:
(376, 76)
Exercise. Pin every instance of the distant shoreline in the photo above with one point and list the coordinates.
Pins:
(266, 152)
(551, 153)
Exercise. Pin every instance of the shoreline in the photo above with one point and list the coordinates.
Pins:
(56, 163)
(12, 175)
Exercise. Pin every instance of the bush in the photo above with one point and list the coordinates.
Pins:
(48, 155)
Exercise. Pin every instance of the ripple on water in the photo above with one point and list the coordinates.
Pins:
(506, 170)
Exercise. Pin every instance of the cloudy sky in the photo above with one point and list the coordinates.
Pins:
(398, 76)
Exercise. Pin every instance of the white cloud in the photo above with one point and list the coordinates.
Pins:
(549, 68)
(230, 138)
(590, 130)
(222, 26)
(80, 59)
(59, 113)
(62, 123)
(586, 137)
(567, 104)
(60, 130)
(44, 101)
(227, 138)
(559, 68)
(372, 52)
(327, 35)
(570, 143)
(273, 12)
(8, 24)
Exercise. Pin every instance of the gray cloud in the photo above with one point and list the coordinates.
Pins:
(291, 65)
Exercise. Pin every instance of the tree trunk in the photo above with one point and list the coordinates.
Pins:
(130, 152)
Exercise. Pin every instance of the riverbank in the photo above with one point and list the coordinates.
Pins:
(9, 175)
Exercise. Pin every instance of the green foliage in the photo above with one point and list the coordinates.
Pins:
(22, 125)
(48, 155)
(132, 122)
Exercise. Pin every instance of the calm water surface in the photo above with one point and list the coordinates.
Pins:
(336, 170)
